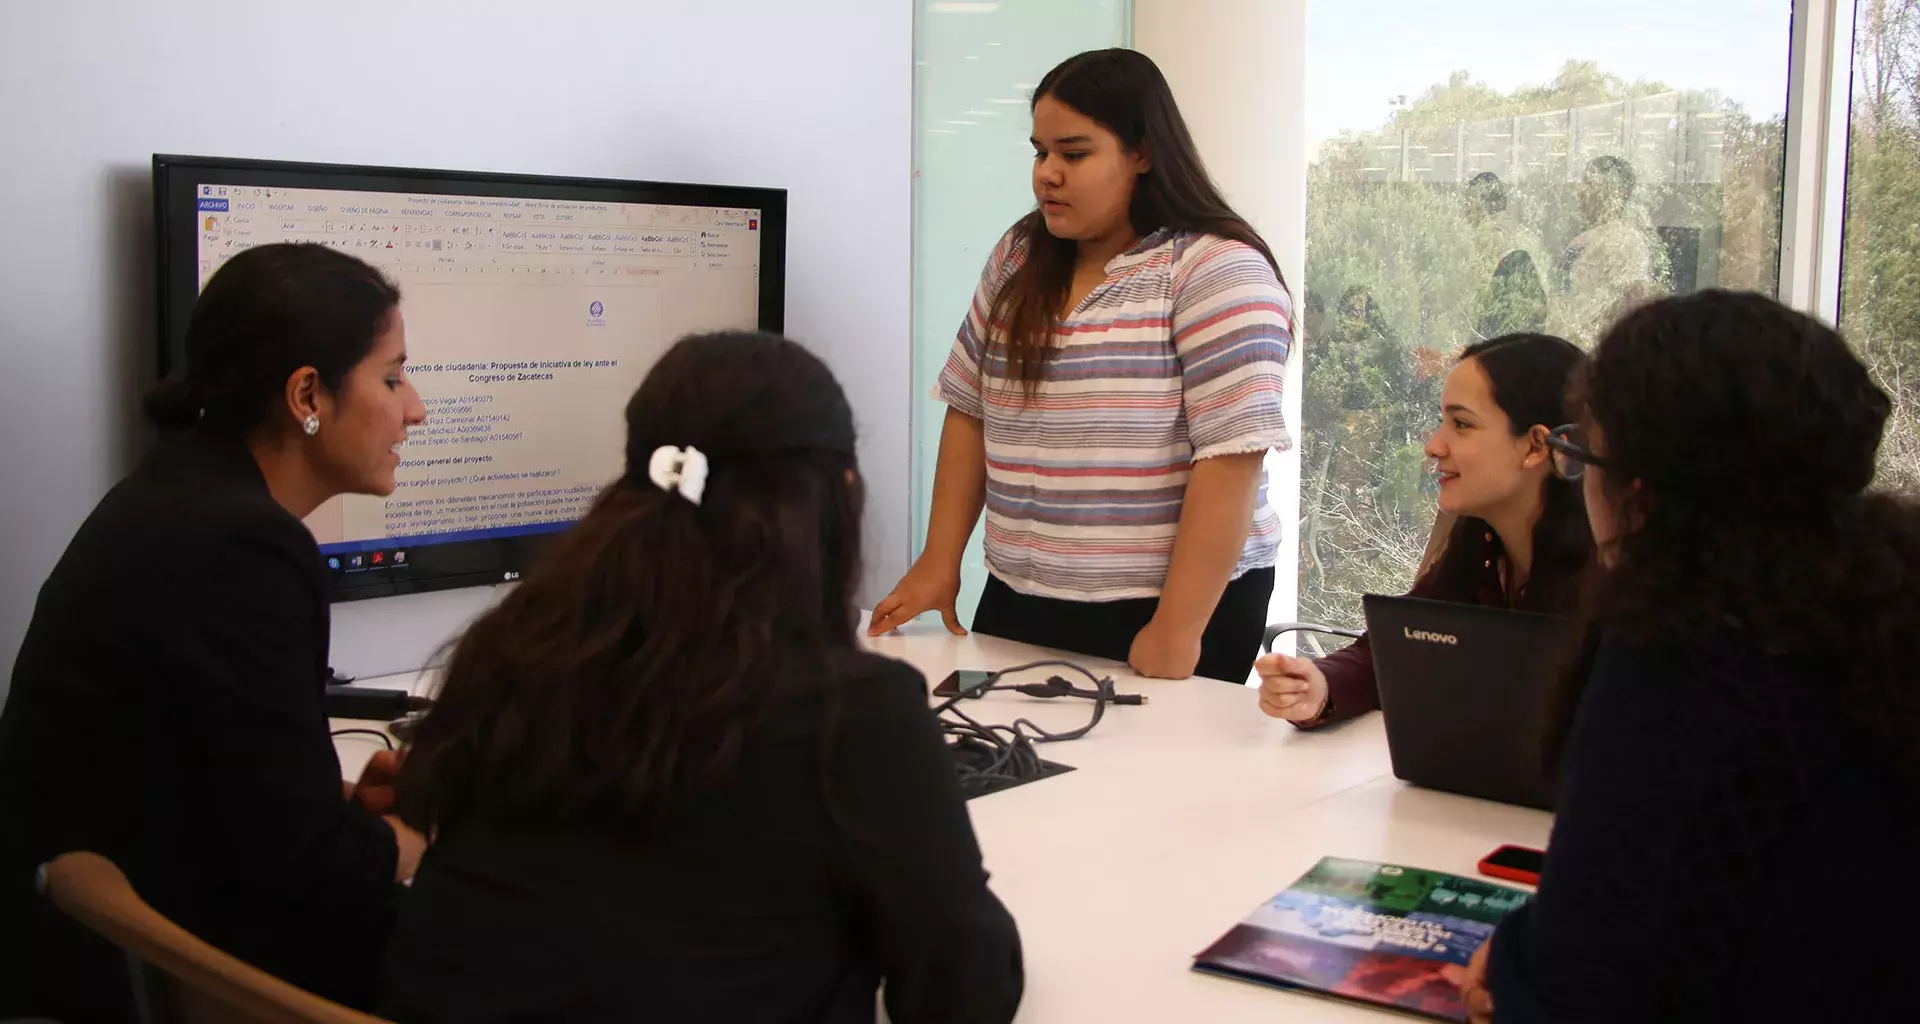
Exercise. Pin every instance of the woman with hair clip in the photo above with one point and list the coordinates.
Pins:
(664, 780)
(167, 708)
(1520, 536)
(1111, 396)
(1741, 771)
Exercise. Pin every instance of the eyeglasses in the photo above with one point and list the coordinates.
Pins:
(1571, 456)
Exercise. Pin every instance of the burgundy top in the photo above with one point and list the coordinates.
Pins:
(1349, 671)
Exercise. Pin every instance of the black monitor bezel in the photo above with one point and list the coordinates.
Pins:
(458, 563)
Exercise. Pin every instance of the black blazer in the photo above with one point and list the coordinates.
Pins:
(167, 712)
(1725, 850)
(837, 857)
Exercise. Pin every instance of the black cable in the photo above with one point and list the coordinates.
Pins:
(1014, 754)
(381, 736)
(1053, 687)
(989, 757)
(984, 759)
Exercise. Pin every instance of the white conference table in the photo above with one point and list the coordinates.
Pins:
(1180, 817)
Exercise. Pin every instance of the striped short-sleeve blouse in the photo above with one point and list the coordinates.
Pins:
(1178, 356)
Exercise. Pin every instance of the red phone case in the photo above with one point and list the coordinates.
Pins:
(1492, 870)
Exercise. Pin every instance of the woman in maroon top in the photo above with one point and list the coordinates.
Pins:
(1519, 539)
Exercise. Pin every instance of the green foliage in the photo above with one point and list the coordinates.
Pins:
(1459, 99)
(1401, 276)
(1880, 266)
(1425, 258)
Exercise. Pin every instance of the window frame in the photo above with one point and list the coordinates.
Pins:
(1819, 109)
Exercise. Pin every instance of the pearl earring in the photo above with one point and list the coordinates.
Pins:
(312, 426)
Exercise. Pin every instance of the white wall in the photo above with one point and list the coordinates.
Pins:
(813, 97)
(1238, 69)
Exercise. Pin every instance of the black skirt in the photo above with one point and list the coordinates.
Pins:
(1105, 629)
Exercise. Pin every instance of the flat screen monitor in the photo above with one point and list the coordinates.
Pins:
(534, 306)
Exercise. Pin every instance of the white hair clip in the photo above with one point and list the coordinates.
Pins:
(679, 469)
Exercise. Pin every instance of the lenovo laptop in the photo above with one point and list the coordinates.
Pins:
(1465, 691)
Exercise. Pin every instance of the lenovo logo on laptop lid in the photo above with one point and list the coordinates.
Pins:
(1464, 690)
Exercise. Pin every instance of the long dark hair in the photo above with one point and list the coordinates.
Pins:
(620, 678)
(266, 313)
(1531, 374)
(1125, 93)
(1740, 438)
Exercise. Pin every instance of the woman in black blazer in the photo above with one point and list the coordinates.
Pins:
(1736, 809)
(665, 782)
(166, 707)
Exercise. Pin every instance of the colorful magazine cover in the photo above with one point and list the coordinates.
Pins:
(1384, 934)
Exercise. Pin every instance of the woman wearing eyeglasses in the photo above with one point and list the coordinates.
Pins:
(1520, 539)
(1740, 775)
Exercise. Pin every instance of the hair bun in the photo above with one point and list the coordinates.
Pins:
(169, 405)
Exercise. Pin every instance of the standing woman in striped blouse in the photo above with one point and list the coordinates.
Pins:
(1111, 396)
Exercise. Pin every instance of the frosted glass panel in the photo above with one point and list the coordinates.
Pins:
(976, 64)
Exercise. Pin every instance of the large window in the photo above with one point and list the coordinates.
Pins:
(1880, 267)
(1516, 167)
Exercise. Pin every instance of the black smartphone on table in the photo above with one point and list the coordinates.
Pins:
(962, 681)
